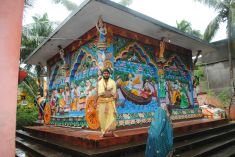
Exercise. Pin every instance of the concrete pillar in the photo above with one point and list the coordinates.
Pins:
(11, 12)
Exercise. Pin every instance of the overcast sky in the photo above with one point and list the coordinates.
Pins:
(166, 11)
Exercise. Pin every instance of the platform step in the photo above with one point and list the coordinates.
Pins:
(21, 152)
(204, 131)
(126, 150)
(38, 149)
(205, 142)
(228, 152)
(208, 149)
(202, 142)
(192, 143)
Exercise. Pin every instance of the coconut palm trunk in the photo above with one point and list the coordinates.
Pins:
(225, 9)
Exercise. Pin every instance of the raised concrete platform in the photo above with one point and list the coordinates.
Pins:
(91, 139)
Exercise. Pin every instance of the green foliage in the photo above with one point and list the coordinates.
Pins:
(28, 3)
(212, 28)
(199, 72)
(126, 2)
(186, 27)
(224, 96)
(69, 5)
(33, 34)
(25, 115)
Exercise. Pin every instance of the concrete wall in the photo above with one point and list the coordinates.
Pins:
(216, 67)
(11, 12)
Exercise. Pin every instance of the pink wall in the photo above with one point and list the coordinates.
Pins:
(11, 12)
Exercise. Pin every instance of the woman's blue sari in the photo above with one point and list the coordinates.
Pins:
(160, 135)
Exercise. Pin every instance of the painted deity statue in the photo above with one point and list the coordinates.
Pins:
(82, 95)
(64, 68)
(102, 30)
(146, 91)
(105, 103)
(60, 103)
(162, 49)
(183, 97)
(74, 98)
(175, 92)
(53, 102)
(162, 86)
(101, 45)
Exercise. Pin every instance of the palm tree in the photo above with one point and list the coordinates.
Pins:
(226, 13)
(32, 35)
(186, 27)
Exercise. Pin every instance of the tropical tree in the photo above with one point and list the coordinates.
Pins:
(186, 27)
(226, 13)
(32, 35)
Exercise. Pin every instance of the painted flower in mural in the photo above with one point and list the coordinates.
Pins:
(127, 122)
(132, 121)
(141, 115)
(121, 122)
(149, 120)
(126, 116)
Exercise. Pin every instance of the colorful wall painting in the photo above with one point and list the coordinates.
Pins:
(147, 76)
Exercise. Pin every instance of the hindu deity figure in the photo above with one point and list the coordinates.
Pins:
(74, 98)
(67, 94)
(53, 102)
(183, 97)
(175, 92)
(130, 86)
(89, 88)
(162, 49)
(162, 86)
(60, 103)
(100, 26)
(146, 91)
(82, 95)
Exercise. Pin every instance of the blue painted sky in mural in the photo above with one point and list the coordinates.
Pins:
(167, 11)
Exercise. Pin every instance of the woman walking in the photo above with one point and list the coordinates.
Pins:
(160, 135)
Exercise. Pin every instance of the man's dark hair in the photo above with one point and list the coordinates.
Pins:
(106, 70)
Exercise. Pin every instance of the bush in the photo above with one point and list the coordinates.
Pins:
(25, 115)
(224, 97)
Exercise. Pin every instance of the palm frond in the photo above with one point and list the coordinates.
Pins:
(184, 26)
(125, 2)
(231, 23)
(212, 28)
(28, 3)
(197, 33)
(67, 3)
(216, 4)
(28, 89)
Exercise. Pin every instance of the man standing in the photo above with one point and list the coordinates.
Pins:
(105, 101)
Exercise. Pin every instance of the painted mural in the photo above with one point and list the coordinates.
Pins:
(146, 77)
